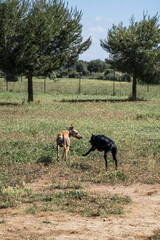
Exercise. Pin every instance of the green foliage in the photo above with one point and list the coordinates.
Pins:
(125, 77)
(94, 69)
(73, 74)
(109, 71)
(49, 34)
(11, 77)
(134, 49)
(97, 66)
(38, 37)
(112, 76)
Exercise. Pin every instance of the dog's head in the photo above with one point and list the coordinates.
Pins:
(74, 133)
(92, 139)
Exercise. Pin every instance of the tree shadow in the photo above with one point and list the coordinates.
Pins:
(9, 104)
(101, 100)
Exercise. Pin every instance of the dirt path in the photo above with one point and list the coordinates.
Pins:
(141, 219)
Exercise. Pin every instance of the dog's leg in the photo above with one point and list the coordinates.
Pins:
(90, 150)
(63, 152)
(105, 158)
(66, 152)
(67, 144)
(114, 154)
(57, 152)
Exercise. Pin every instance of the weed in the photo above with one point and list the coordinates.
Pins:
(87, 205)
(155, 236)
(63, 186)
(114, 177)
(2, 221)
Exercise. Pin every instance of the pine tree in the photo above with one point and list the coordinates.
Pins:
(41, 37)
(134, 49)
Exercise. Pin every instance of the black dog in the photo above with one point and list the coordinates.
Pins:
(103, 143)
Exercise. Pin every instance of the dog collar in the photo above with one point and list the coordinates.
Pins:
(70, 131)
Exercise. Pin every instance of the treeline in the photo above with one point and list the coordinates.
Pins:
(95, 69)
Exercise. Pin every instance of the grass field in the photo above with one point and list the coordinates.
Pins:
(28, 148)
(28, 134)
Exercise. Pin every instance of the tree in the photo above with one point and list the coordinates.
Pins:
(81, 67)
(11, 31)
(133, 49)
(151, 75)
(97, 66)
(45, 36)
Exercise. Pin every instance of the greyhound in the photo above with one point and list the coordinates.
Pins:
(103, 143)
(63, 140)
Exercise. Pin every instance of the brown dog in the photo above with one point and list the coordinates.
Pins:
(63, 140)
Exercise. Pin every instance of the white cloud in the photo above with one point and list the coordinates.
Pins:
(99, 18)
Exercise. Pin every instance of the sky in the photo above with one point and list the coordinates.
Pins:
(99, 16)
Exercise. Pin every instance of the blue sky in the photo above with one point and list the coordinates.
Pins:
(99, 15)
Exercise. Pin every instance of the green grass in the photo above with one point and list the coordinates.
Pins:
(28, 146)
(80, 202)
(89, 88)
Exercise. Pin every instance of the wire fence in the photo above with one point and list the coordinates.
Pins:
(80, 86)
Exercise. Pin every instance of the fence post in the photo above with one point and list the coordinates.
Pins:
(44, 85)
(79, 86)
(6, 86)
(114, 93)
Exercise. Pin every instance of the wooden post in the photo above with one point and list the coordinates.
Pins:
(114, 93)
(79, 86)
(44, 85)
(6, 86)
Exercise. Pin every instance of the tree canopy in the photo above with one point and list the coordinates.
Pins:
(97, 66)
(134, 49)
(39, 36)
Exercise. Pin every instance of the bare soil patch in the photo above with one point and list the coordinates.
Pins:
(141, 217)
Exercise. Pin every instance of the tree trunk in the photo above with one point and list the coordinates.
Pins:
(30, 89)
(134, 87)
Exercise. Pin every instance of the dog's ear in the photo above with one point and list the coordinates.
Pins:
(71, 127)
(93, 136)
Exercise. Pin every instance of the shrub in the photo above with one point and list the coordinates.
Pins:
(112, 77)
(107, 72)
(73, 74)
(11, 77)
(100, 76)
(125, 77)
(62, 73)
